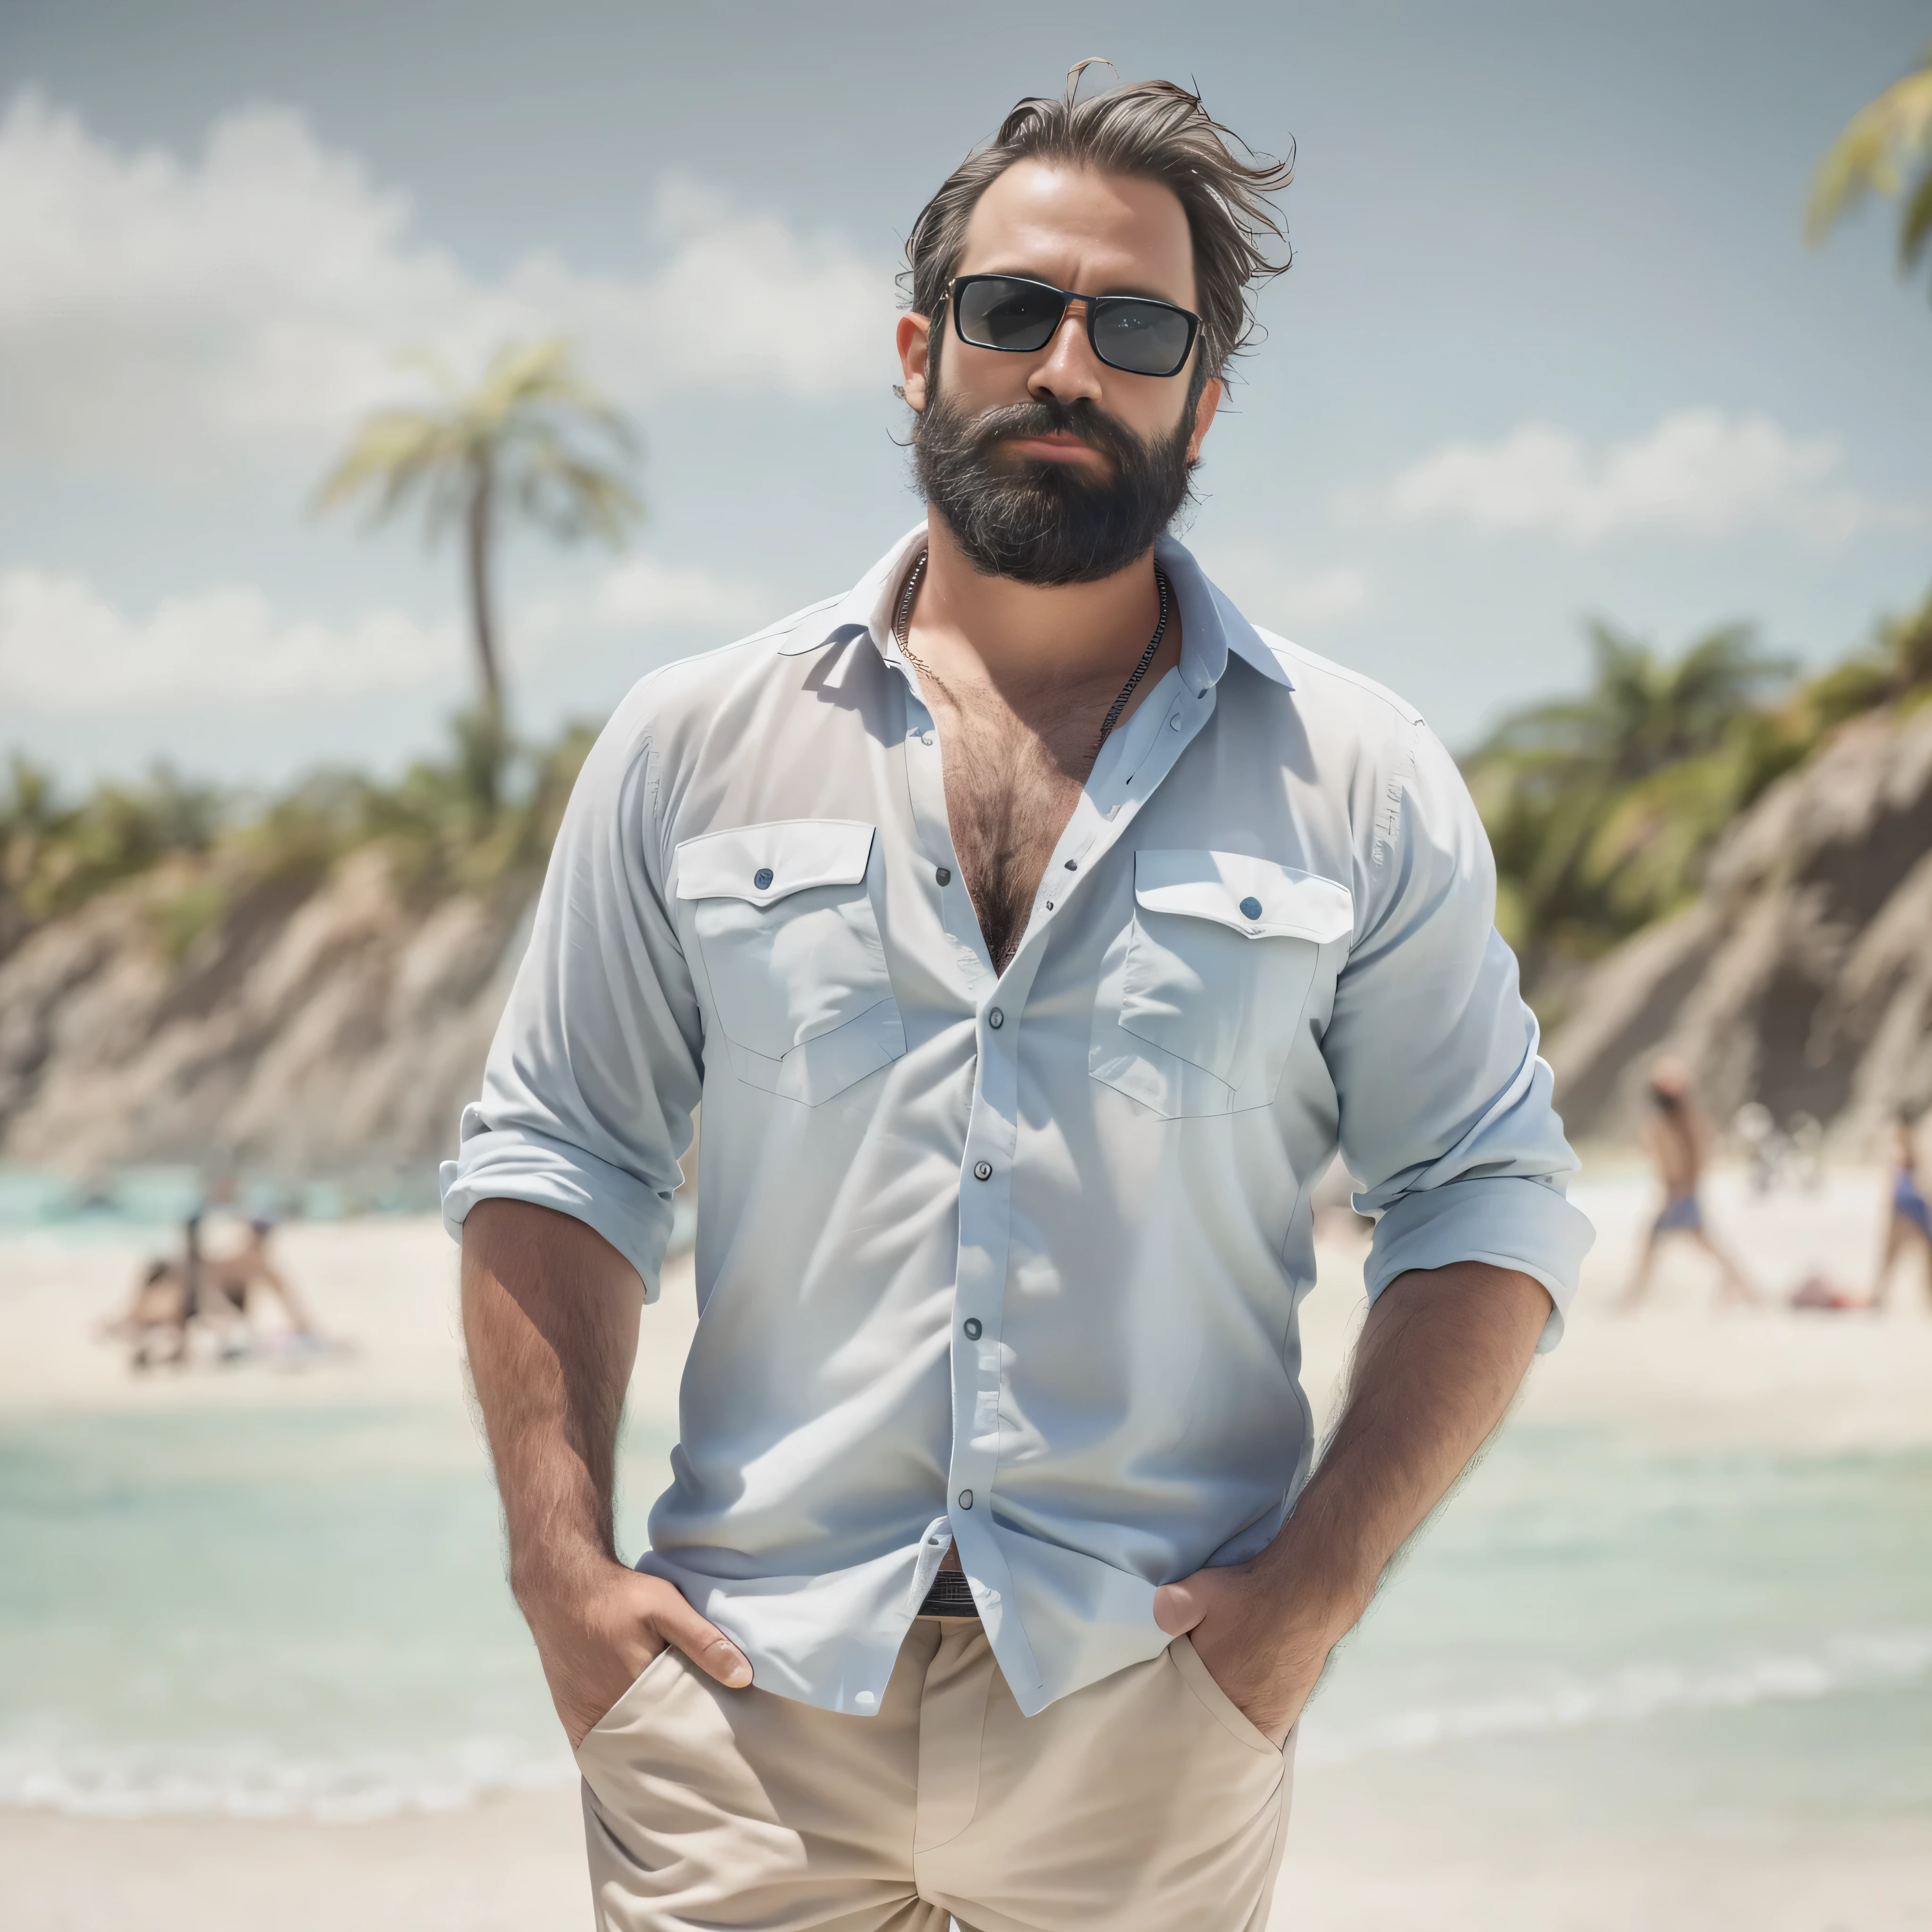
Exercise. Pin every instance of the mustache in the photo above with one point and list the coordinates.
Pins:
(1036, 520)
(1048, 416)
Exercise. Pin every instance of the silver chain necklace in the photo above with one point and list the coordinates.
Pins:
(902, 634)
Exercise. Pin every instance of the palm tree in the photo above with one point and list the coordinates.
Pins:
(1642, 711)
(1886, 136)
(1600, 808)
(532, 439)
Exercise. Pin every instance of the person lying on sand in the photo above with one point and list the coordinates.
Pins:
(1676, 1138)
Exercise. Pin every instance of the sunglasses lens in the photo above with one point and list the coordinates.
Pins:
(1145, 338)
(998, 313)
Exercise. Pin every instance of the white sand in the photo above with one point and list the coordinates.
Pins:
(1368, 1854)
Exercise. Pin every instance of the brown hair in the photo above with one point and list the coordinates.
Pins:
(1157, 131)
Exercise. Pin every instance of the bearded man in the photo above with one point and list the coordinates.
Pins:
(1031, 928)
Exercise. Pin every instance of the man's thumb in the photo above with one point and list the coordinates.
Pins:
(709, 1649)
(1177, 1608)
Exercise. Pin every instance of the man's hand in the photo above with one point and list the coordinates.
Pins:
(550, 1312)
(1267, 1663)
(1441, 1354)
(595, 1640)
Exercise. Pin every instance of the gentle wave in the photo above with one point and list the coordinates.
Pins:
(155, 1781)
(180, 1781)
(1852, 1663)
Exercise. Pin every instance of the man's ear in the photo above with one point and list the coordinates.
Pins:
(1203, 416)
(915, 343)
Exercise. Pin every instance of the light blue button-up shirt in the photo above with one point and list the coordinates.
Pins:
(1008, 1260)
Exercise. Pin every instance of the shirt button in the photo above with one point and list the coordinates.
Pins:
(965, 1498)
(973, 1329)
(944, 875)
(1073, 864)
(762, 878)
(925, 737)
(983, 1170)
(1251, 908)
(1174, 723)
(996, 1019)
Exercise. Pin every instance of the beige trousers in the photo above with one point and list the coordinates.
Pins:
(1145, 1803)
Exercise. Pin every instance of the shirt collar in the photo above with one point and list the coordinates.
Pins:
(866, 610)
(1211, 627)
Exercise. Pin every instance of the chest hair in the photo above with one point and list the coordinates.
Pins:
(1012, 783)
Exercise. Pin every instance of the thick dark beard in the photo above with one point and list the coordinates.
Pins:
(1040, 522)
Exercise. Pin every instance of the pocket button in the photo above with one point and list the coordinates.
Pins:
(762, 878)
(1251, 908)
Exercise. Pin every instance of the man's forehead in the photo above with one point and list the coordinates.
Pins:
(1054, 217)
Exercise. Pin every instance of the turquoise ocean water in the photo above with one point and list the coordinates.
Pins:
(300, 1611)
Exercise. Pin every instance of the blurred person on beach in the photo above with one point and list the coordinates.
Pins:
(1677, 1138)
(220, 1291)
(1032, 928)
(235, 1282)
(1908, 1225)
(166, 1302)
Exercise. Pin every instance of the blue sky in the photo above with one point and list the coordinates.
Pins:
(1552, 345)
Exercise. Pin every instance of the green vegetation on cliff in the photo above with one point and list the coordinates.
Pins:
(438, 824)
(1603, 809)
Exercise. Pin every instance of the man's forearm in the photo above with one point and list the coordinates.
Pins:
(550, 1312)
(1440, 1357)
(550, 1316)
(1442, 1354)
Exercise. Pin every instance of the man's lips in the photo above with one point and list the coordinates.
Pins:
(1057, 446)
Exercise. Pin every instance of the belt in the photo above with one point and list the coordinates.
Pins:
(951, 1596)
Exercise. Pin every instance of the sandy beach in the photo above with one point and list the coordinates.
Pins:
(1460, 1835)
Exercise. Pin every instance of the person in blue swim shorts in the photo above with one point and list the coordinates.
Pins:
(1909, 1222)
(1677, 1138)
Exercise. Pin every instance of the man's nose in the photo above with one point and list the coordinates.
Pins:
(1069, 370)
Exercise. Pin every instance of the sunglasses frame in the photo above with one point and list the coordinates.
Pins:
(1068, 297)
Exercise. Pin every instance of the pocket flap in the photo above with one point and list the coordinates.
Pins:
(1254, 897)
(760, 863)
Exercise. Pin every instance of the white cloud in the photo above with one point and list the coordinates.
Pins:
(643, 593)
(1285, 597)
(640, 592)
(173, 311)
(65, 648)
(1697, 474)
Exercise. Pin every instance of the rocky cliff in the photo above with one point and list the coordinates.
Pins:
(1801, 977)
(306, 1029)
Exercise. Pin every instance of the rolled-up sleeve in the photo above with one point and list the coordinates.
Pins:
(596, 1070)
(1446, 1113)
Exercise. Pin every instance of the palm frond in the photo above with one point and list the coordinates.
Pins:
(1871, 155)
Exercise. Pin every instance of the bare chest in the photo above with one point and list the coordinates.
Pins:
(1011, 786)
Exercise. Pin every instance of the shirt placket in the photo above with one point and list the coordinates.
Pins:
(1128, 772)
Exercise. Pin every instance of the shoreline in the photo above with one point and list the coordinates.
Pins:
(516, 1864)
(1679, 1377)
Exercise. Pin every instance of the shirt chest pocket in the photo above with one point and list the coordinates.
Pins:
(1200, 997)
(790, 938)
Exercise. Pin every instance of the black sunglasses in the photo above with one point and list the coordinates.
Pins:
(1131, 332)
